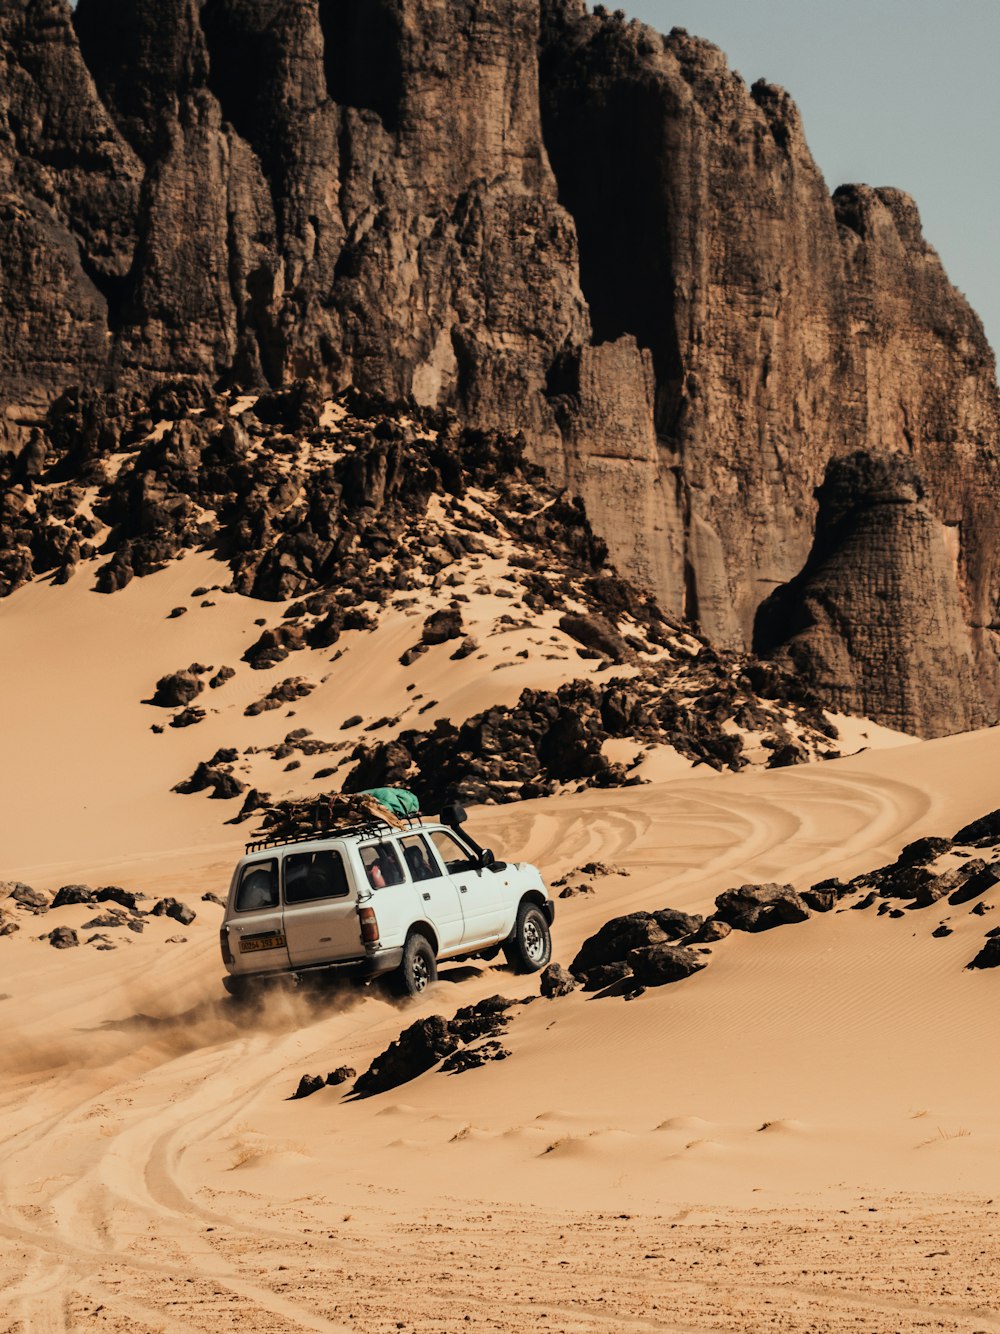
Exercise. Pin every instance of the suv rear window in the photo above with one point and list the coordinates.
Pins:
(315, 875)
(258, 886)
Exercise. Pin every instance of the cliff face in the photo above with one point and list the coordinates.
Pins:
(873, 619)
(547, 220)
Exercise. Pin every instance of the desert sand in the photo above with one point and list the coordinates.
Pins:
(805, 1136)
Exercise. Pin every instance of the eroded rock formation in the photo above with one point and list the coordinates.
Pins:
(549, 221)
(873, 621)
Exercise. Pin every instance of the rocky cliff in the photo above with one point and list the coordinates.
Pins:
(549, 221)
(873, 619)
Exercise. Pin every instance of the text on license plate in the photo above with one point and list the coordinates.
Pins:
(268, 940)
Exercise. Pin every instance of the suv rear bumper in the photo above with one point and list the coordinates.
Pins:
(370, 965)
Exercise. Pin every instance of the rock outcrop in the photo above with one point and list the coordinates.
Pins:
(873, 621)
(542, 219)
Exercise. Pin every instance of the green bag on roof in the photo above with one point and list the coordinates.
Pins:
(399, 800)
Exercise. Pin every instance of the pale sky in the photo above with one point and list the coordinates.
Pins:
(892, 92)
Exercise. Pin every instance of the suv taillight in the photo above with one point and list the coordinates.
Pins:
(227, 954)
(369, 926)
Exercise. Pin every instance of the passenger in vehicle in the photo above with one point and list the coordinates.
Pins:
(375, 876)
(417, 863)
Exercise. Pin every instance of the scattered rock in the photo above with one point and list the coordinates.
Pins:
(761, 907)
(176, 940)
(209, 897)
(981, 833)
(428, 1041)
(556, 981)
(308, 1084)
(285, 692)
(441, 626)
(177, 689)
(611, 945)
(598, 634)
(220, 678)
(469, 1058)
(63, 938)
(941, 931)
(656, 965)
(976, 884)
(70, 894)
(988, 956)
(35, 900)
(674, 923)
(180, 912)
(924, 850)
(711, 930)
(341, 1075)
(187, 717)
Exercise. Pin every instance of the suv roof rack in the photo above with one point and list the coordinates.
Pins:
(362, 829)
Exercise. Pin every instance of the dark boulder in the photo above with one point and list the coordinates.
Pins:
(674, 923)
(923, 850)
(597, 634)
(115, 894)
(34, 899)
(655, 965)
(819, 900)
(63, 938)
(470, 1058)
(761, 907)
(981, 833)
(988, 956)
(341, 1075)
(977, 884)
(612, 944)
(711, 930)
(442, 625)
(177, 689)
(417, 1049)
(556, 981)
(180, 912)
(309, 1084)
(73, 894)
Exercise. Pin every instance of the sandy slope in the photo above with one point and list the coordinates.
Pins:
(151, 1167)
(803, 1137)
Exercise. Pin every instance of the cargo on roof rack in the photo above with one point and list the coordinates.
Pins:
(359, 829)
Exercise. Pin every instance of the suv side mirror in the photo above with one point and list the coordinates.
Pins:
(486, 857)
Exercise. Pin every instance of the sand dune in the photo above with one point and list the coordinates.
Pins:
(152, 1165)
(803, 1137)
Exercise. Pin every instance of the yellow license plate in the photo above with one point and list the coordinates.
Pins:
(269, 940)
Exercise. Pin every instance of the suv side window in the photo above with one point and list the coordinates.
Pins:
(418, 857)
(453, 854)
(315, 875)
(258, 886)
(381, 863)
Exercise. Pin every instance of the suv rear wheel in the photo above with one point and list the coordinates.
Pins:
(530, 947)
(419, 967)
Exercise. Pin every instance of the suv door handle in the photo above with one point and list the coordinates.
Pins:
(463, 888)
(427, 898)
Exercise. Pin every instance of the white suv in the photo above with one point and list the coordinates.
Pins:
(371, 898)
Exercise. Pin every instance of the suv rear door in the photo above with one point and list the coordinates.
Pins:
(256, 936)
(321, 912)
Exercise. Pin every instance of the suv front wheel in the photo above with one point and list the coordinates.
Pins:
(419, 967)
(530, 947)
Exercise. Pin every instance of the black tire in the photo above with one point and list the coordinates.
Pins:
(419, 967)
(530, 947)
